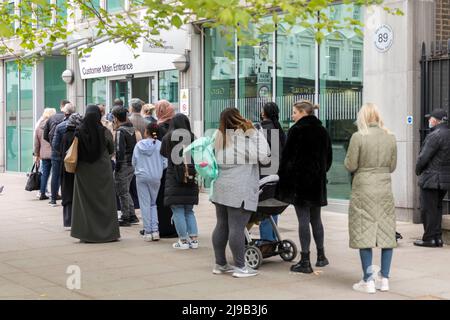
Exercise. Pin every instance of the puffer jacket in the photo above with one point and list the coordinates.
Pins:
(433, 163)
(372, 158)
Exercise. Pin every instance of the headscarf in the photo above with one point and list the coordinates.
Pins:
(91, 135)
(74, 120)
(164, 111)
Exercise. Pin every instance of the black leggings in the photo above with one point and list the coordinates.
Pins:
(307, 215)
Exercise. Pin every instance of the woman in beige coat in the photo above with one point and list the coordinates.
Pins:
(371, 158)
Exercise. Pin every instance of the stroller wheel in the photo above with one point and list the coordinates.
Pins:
(253, 257)
(288, 250)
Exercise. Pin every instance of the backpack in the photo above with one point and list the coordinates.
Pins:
(202, 152)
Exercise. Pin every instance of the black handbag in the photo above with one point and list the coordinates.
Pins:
(34, 179)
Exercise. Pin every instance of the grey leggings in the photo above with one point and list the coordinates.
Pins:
(307, 215)
(231, 224)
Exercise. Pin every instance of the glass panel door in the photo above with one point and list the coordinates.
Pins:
(26, 118)
(119, 91)
(12, 114)
(140, 88)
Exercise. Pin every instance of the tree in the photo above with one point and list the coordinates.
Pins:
(36, 27)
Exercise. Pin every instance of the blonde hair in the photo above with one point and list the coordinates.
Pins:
(369, 114)
(306, 106)
(147, 109)
(48, 112)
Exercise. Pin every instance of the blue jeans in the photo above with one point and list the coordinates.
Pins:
(266, 230)
(366, 261)
(147, 191)
(46, 166)
(184, 220)
(56, 179)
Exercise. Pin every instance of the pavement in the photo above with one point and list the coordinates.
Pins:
(39, 260)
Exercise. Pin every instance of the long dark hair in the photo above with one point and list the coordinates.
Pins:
(230, 118)
(91, 135)
(179, 121)
(272, 112)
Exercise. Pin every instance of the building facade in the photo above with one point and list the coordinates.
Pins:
(347, 69)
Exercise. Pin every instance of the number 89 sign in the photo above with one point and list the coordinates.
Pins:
(383, 38)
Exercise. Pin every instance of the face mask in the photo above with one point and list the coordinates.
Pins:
(430, 125)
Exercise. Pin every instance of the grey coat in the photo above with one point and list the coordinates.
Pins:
(372, 158)
(237, 184)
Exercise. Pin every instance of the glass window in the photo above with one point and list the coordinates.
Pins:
(168, 86)
(220, 72)
(19, 117)
(357, 56)
(44, 15)
(333, 61)
(62, 8)
(295, 69)
(55, 87)
(357, 12)
(115, 5)
(26, 118)
(340, 98)
(95, 90)
(12, 114)
(10, 9)
(255, 75)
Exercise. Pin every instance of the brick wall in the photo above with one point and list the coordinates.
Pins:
(442, 20)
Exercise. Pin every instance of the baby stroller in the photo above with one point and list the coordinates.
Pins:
(258, 249)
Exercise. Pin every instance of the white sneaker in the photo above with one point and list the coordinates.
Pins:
(147, 237)
(366, 287)
(155, 236)
(193, 244)
(181, 245)
(244, 272)
(381, 283)
(218, 269)
(67, 228)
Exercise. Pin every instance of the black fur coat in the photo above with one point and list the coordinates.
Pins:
(305, 160)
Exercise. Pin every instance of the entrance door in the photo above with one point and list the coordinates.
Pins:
(119, 90)
(140, 88)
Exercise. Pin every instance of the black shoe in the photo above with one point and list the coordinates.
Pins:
(304, 266)
(439, 242)
(43, 197)
(428, 243)
(124, 223)
(142, 232)
(134, 220)
(322, 261)
(58, 197)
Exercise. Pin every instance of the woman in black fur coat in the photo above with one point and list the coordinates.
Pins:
(305, 160)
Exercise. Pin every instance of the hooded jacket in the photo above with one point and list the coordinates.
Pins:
(124, 144)
(147, 161)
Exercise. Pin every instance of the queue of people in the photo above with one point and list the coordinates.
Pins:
(147, 143)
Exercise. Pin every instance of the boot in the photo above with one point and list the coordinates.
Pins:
(322, 261)
(304, 266)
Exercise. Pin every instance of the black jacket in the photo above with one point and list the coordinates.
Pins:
(175, 191)
(50, 126)
(125, 142)
(268, 126)
(305, 161)
(433, 163)
(67, 179)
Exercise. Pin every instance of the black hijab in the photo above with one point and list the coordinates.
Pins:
(91, 135)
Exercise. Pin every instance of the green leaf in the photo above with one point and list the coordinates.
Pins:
(177, 22)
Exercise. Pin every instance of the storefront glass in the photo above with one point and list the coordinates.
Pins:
(19, 117)
(115, 5)
(341, 84)
(95, 90)
(12, 113)
(55, 87)
(296, 72)
(219, 76)
(340, 81)
(168, 86)
(255, 75)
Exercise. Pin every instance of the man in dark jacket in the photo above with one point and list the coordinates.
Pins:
(49, 134)
(433, 169)
(125, 142)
